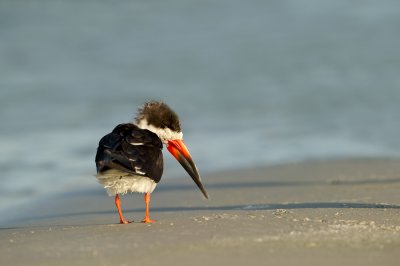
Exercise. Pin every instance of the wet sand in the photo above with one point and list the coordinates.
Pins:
(338, 212)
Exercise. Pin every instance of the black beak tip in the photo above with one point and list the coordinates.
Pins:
(201, 187)
(188, 164)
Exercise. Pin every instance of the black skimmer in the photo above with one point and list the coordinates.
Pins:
(129, 159)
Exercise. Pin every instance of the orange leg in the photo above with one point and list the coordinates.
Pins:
(147, 217)
(121, 217)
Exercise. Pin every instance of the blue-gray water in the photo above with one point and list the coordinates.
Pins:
(255, 82)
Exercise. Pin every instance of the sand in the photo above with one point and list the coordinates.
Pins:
(337, 212)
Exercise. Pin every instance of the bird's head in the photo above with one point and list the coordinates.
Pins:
(160, 119)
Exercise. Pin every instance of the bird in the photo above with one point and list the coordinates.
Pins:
(129, 159)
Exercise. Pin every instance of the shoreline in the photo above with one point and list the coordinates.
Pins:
(331, 211)
(29, 211)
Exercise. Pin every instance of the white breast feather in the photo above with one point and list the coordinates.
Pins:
(118, 182)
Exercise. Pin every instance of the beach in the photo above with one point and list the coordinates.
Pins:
(329, 212)
(289, 109)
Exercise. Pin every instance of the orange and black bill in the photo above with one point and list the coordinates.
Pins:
(178, 149)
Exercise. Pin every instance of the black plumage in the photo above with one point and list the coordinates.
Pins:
(132, 150)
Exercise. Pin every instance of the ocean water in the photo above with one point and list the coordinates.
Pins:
(254, 82)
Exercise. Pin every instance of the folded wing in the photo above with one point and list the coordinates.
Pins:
(132, 150)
